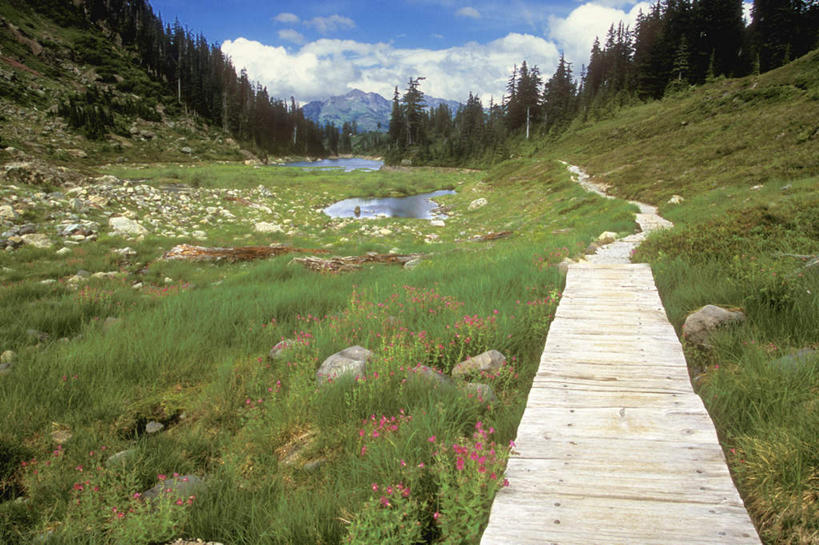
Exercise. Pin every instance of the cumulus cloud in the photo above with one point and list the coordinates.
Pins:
(747, 16)
(469, 12)
(331, 67)
(575, 34)
(287, 18)
(290, 35)
(331, 23)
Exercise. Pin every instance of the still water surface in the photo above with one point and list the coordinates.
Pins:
(346, 164)
(416, 206)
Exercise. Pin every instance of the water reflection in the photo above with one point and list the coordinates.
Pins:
(416, 206)
(348, 164)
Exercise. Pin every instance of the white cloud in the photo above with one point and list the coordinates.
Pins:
(747, 16)
(332, 67)
(287, 18)
(575, 34)
(468, 11)
(290, 35)
(331, 23)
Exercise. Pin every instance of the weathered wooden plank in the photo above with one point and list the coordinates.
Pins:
(614, 447)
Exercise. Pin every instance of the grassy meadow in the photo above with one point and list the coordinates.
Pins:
(284, 459)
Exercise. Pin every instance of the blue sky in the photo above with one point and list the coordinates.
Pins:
(314, 49)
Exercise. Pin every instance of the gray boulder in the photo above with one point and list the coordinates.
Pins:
(489, 361)
(483, 392)
(351, 360)
(181, 486)
(797, 361)
(700, 324)
(279, 349)
(434, 376)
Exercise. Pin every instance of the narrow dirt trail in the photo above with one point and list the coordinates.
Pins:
(620, 250)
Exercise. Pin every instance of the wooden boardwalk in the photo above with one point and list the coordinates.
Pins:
(614, 446)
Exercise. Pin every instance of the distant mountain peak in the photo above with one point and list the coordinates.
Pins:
(370, 111)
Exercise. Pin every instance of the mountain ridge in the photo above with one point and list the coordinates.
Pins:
(370, 111)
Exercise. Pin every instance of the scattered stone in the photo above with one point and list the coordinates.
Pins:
(592, 248)
(757, 187)
(199, 234)
(110, 322)
(278, 350)
(136, 285)
(120, 458)
(786, 187)
(483, 392)
(607, 237)
(48, 281)
(186, 150)
(7, 212)
(8, 356)
(384, 232)
(40, 336)
(478, 203)
(124, 252)
(63, 251)
(797, 361)
(437, 223)
(700, 324)
(183, 486)
(490, 361)
(675, 199)
(264, 227)
(60, 434)
(154, 427)
(38, 240)
(313, 465)
(412, 263)
(433, 375)
(125, 226)
(352, 361)
(492, 235)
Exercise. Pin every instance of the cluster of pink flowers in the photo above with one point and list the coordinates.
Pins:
(374, 428)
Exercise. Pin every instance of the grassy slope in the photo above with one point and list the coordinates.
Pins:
(74, 55)
(714, 146)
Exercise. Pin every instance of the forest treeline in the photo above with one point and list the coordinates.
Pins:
(677, 43)
(186, 72)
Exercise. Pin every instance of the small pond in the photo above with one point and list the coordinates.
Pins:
(348, 164)
(416, 206)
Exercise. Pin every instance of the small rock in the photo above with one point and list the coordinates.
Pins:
(182, 486)
(40, 336)
(786, 187)
(63, 251)
(154, 427)
(110, 322)
(279, 349)
(433, 375)
(437, 223)
(265, 227)
(478, 203)
(124, 226)
(384, 232)
(607, 237)
(7, 212)
(483, 392)
(313, 465)
(8, 356)
(675, 199)
(352, 360)
(186, 150)
(797, 361)
(757, 187)
(700, 324)
(38, 240)
(60, 435)
(490, 361)
(412, 263)
(120, 458)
